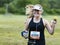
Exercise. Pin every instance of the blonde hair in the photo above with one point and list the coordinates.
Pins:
(29, 8)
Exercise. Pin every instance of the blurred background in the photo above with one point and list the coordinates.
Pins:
(18, 6)
(12, 18)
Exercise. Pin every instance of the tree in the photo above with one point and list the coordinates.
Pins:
(2, 2)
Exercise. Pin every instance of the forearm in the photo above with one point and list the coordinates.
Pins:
(52, 28)
(53, 23)
(26, 26)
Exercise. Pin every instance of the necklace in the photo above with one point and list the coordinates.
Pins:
(37, 24)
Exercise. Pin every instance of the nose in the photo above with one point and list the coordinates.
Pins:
(36, 12)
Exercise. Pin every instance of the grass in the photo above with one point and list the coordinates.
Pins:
(11, 27)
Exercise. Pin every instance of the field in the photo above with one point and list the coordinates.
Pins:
(12, 25)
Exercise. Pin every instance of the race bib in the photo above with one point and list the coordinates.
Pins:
(35, 35)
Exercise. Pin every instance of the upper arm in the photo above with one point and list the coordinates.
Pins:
(27, 23)
(48, 26)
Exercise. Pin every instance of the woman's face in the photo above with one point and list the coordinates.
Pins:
(37, 13)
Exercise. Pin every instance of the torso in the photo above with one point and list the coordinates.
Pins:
(40, 28)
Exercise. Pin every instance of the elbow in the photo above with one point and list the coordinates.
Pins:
(51, 33)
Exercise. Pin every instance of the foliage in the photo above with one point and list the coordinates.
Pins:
(18, 6)
(12, 26)
(2, 10)
(3, 2)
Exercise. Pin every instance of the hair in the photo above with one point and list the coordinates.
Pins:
(30, 8)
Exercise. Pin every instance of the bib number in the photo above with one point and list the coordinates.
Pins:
(35, 35)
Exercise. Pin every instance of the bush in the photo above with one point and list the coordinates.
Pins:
(14, 9)
(21, 11)
(52, 11)
(57, 11)
(2, 10)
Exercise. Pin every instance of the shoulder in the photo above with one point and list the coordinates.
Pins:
(44, 21)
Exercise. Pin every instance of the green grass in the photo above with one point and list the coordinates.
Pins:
(11, 27)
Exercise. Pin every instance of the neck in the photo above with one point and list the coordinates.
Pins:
(37, 18)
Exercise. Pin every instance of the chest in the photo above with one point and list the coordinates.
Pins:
(36, 26)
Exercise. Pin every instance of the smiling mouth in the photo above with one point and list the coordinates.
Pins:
(36, 14)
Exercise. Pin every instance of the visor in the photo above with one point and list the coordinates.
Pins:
(37, 7)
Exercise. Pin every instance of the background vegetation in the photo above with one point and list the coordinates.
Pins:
(18, 6)
(12, 24)
(11, 27)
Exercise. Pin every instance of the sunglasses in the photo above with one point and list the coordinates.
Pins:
(35, 10)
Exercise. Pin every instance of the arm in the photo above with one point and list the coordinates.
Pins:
(50, 27)
(27, 23)
(25, 32)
